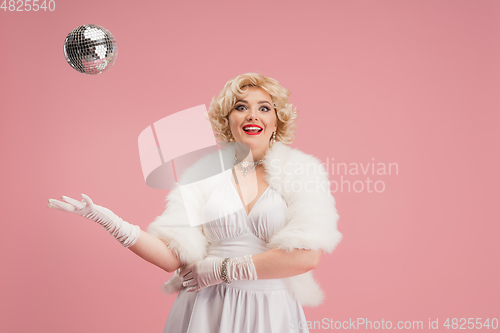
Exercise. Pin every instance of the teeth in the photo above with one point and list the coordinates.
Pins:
(251, 128)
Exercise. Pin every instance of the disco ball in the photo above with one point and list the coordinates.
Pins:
(90, 49)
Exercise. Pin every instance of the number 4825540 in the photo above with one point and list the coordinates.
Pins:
(28, 5)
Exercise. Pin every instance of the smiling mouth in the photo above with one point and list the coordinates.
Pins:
(252, 130)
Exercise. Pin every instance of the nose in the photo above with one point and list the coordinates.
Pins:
(252, 114)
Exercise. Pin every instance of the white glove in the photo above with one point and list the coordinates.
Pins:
(208, 272)
(127, 234)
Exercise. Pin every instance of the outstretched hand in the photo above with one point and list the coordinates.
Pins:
(126, 233)
(82, 208)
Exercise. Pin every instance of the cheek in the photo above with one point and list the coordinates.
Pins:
(230, 118)
(233, 122)
(271, 123)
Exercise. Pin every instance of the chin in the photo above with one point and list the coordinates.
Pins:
(254, 143)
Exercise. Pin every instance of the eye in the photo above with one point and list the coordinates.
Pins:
(262, 108)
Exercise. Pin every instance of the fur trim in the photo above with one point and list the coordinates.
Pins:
(298, 177)
(305, 289)
(174, 284)
(312, 216)
(188, 243)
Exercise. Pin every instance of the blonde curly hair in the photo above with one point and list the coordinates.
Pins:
(220, 107)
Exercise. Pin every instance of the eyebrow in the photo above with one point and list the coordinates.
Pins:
(261, 102)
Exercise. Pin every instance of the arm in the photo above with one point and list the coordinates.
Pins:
(155, 251)
(271, 264)
(277, 264)
(131, 236)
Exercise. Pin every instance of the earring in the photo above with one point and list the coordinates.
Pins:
(273, 139)
(230, 136)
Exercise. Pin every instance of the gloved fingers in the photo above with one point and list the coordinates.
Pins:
(188, 283)
(53, 203)
(194, 288)
(186, 271)
(188, 276)
(76, 203)
(87, 200)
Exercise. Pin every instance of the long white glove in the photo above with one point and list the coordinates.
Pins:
(209, 272)
(127, 234)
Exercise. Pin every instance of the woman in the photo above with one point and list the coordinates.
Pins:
(243, 242)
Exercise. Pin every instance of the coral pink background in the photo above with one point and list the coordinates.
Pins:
(409, 82)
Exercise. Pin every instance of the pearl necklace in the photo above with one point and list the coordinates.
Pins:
(245, 165)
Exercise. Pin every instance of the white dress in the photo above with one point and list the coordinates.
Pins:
(242, 306)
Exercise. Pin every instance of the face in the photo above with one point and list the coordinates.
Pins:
(255, 109)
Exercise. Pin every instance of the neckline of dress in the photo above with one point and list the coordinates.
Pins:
(241, 202)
